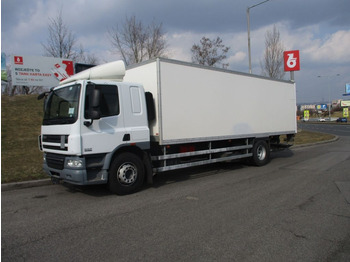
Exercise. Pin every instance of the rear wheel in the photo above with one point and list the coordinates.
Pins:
(126, 174)
(261, 153)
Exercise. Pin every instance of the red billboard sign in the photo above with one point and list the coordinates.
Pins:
(291, 60)
(39, 70)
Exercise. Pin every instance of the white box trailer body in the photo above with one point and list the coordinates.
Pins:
(108, 125)
(196, 103)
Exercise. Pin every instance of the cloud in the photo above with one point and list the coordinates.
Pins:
(313, 45)
(180, 43)
(238, 57)
(335, 48)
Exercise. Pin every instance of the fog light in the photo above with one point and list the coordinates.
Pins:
(75, 163)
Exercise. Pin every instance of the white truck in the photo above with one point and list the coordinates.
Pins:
(109, 125)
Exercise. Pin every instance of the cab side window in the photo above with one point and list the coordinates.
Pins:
(109, 101)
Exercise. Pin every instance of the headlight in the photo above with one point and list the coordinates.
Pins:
(75, 163)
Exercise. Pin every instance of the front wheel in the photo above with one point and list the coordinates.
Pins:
(261, 153)
(126, 174)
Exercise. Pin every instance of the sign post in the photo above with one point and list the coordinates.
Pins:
(291, 62)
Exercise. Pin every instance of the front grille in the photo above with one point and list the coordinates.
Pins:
(55, 138)
(59, 142)
(55, 161)
(56, 148)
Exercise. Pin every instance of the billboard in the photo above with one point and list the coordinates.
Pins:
(321, 107)
(345, 103)
(309, 107)
(347, 89)
(39, 70)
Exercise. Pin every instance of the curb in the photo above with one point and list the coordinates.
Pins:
(25, 184)
(336, 138)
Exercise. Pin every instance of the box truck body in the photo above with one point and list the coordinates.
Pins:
(196, 103)
(108, 125)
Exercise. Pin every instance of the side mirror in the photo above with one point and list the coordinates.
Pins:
(94, 107)
(94, 110)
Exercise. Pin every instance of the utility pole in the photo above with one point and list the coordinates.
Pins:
(248, 24)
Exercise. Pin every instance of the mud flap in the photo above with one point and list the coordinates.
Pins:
(148, 168)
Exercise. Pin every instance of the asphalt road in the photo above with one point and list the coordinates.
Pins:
(339, 130)
(294, 209)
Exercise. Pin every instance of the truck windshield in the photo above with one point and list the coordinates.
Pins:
(61, 106)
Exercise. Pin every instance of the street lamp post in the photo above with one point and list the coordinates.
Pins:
(329, 89)
(248, 24)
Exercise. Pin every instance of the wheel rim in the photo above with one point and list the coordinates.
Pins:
(127, 174)
(261, 152)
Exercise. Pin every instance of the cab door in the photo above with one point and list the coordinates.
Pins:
(106, 133)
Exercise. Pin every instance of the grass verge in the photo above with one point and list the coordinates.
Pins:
(307, 137)
(21, 159)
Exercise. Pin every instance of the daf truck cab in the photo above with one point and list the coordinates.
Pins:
(87, 123)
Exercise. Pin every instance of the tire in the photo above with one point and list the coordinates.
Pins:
(261, 153)
(126, 174)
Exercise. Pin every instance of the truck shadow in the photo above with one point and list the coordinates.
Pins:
(93, 190)
(181, 175)
(286, 153)
(192, 173)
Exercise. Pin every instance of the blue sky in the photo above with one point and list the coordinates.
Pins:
(320, 29)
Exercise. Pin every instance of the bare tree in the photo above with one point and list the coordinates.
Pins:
(61, 41)
(137, 42)
(209, 52)
(155, 44)
(272, 64)
(86, 58)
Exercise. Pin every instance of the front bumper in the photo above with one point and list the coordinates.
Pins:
(56, 166)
